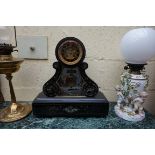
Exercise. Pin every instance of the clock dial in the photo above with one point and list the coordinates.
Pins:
(70, 52)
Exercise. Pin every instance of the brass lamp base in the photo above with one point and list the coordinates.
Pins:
(9, 65)
(14, 112)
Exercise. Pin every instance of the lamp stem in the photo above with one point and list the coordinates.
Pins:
(13, 97)
(15, 35)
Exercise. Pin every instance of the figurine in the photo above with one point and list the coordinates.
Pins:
(120, 97)
(138, 103)
(131, 95)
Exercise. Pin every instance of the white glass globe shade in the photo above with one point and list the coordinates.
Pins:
(138, 45)
(5, 35)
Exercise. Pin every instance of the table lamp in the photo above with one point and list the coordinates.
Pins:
(9, 65)
(137, 47)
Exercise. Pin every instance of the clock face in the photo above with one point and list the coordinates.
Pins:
(70, 52)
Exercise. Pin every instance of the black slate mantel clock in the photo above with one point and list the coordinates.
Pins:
(70, 78)
(70, 92)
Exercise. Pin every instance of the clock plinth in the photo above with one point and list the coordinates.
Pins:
(70, 106)
(70, 81)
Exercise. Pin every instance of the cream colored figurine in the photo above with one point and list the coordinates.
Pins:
(120, 97)
(137, 103)
(130, 96)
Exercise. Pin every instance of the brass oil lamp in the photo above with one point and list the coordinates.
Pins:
(9, 65)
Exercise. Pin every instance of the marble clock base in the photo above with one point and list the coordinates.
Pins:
(64, 106)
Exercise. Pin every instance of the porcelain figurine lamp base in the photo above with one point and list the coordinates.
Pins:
(131, 94)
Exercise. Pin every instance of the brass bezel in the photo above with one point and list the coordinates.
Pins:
(80, 50)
